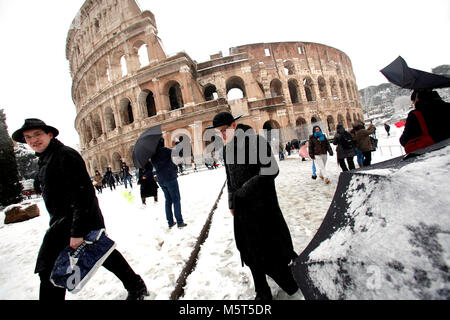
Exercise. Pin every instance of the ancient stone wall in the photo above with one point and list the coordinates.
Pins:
(123, 83)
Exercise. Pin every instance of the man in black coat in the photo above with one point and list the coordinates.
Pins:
(73, 207)
(261, 233)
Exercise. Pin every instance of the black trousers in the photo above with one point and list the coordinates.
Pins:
(351, 164)
(281, 274)
(367, 158)
(115, 263)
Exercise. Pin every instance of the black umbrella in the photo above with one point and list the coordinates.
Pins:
(145, 146)
(401, 75)
(385, 235)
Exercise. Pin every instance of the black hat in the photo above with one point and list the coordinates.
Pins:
(223, 119)
(33, 124)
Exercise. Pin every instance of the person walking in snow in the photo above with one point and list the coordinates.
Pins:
(345, 149)
(98, 181)
(70, 199)
(125, 171)
(109, 179)
(261, 233)
(318, 148)
(387, 128)
(362, 138)
(166, 171)
(149, 188)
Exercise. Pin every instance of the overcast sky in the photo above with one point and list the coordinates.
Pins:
(35, 79)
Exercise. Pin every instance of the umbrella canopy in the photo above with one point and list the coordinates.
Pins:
(385, 235)
(401, 75)
(145, 146)
(400, 124)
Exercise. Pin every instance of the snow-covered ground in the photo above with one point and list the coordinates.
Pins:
(159, 254)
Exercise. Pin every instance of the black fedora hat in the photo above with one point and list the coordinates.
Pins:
(33, 124)
(223, 119)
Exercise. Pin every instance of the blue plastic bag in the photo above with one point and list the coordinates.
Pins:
(74, 267)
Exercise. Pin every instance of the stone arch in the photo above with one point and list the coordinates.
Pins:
(116, 161)
(147, 103)
(308, 87)
(97, 126)
(294, 91)
(349, 120)
(270, 125)
(175, 95)
(123, 65)
(210, 92)
(110, 119)
(236, 82)
(322, 87)
(141, 49)
(289, 67)
(349, 91)
(343, 92)
(276, 88)
(330, 124)
(301, 128)
(315, 119)
(104, 164)
(126, 111)
(86, 127)
(333, 87)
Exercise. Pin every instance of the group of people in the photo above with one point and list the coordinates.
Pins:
(357, 142)
(111, 179)
(260, 231)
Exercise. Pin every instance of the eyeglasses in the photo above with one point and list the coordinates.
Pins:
(223, 130)
(36, 135)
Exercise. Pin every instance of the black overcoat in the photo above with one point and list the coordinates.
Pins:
(70, 200)
(261, 233)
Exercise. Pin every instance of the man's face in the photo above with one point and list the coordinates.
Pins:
(37, 139)
(227, 132)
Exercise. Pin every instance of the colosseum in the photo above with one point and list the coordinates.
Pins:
(123, 83)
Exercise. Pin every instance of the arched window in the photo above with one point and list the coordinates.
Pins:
(322, 87)
(175, 96)
(276, 88)
(330, 123)
(333, 86)
(211, 92)
(143, 55)
(293, 90)
(126, 112)
(123, 65)
(109, 119)
(238, 84)
(98, 131)
(349, 90)
(308, 86)
(343, 92)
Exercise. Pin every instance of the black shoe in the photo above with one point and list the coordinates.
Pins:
(182, 225)
(138, 291)
(171, 225)
(314, 177)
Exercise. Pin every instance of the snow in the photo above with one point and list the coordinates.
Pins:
(159, 254)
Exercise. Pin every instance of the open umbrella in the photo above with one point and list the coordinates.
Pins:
(400, 124)
(401, 75)
(385, 235)
(145, 146)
